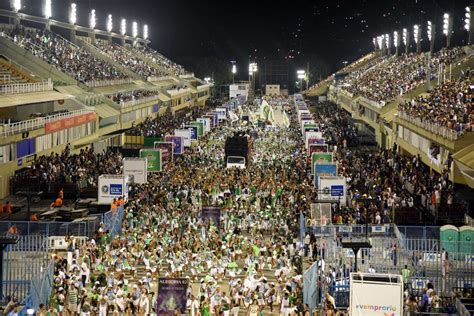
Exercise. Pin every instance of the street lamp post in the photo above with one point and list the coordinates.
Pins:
(447, 28)
(468, 25)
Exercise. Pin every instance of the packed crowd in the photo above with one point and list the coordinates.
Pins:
(132, 95)
(245, 264)
(168, 66)
(450, 105)
(398, 75)
(55, 50)
(69, 168)
(379, 174)
(126, 58)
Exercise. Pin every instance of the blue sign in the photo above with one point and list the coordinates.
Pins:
(325, 170)
(194, 132)
(337, 190)
(116, 189)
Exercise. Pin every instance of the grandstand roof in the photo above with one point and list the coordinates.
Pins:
(7, 100)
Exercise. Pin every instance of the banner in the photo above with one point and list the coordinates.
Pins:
(206, 123)
(320, 158)
(200, 127)
(332, 188)
(221, 113)
(212, 214)
(311, 141)
(379, 295)
(317, 148)
(135, 169)
(153, 158)
(166, 149)
(194, 131)
(211, 119)
(312, 134)
(185, 134)
(171, 296)
(110, 187)
(178, 143)
(324, 170)
(65, 123)
(321, 213)
(215, 116)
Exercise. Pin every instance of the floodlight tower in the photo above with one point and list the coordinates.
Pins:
(374, 41)
(145, 34)
(134, 33)
(417, 37)
(16, 6)
(109, 27)
(92, 24)
(48, 13)
(123, 30)
(406, 40)
(468, 25)
(234, 70)
(381, 44)
(430, 31)
(447, 28)
(73, 21)
(388, 44)
(396, 42)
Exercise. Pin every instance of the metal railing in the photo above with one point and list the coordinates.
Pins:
(430, 126)
(113, 221)
(139, 101)
(27, 228)
(162, 78)
(40, 288)
(109, 82)
(23, 126)
(373, 103)
(16, 88)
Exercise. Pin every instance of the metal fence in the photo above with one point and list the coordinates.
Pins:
(24, 228)
(40, 288)
(46, 85)
(22, 262)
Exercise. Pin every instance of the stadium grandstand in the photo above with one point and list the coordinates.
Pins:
(127, 188)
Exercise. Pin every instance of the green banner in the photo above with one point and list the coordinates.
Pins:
(153, 158)
(320, 158)
(200, 126)
(149, 141)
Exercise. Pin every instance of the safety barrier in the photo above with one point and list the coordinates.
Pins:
(59, 242)
(22, 262)
(430, 126)
(15, 88)
(40, 289)
(139, 101)
(110, 82)
(26, 228)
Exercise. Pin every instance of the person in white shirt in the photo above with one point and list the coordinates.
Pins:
(144, 303)
(371, 269)
(194, 308)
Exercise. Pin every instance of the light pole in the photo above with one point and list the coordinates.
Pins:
(123, 30)
(134, 33)
(430, 30)
(47, 12)
(252, 70)
(380, 43)
(16, 7)
(468, 25)
(387, 43)
(406, 40)
(374, 41)
(92, 24)
(447, 28)
(396, 42)
(417, 37)
(109, 27)
(145, 33)
(234, 70)
(301, 75)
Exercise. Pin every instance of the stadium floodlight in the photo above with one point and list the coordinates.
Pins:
(16, 5)
(123, 27)
(207, 79)
(374, 41)
(253, 68)
(396, 43)
(406, 39)
(468, 24)
(380, 42)
(92, 19)
(145, 31)
(417, 37)
(47, 10)
(301, 74)
(430, 31)
(387, 42)
(234, 69)
(109, 23)
(447, 27)
(134, 29)
(73, 13)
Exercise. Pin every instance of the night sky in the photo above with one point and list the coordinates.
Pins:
(324, 32)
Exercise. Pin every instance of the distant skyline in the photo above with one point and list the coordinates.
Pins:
(330, 31)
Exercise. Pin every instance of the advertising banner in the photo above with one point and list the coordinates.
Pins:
(171, 296)
(153, 159)
(215, 116)
(185, 134)
(320, 158)
(324, 170)
(194, 132)
(332, 188)
(206, 122)
(221, 113)
(166, 149)
(112, 186)
(321, 213)
(65, 123)
(211, 119)
(178, 143)
(310, 128)
(135, 169)
(312, 134)
(311, 141)
(317, 148)
(212, 215)
(200, 127)
(381, 295)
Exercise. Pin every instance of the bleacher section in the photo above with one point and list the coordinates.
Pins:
(9, 74)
